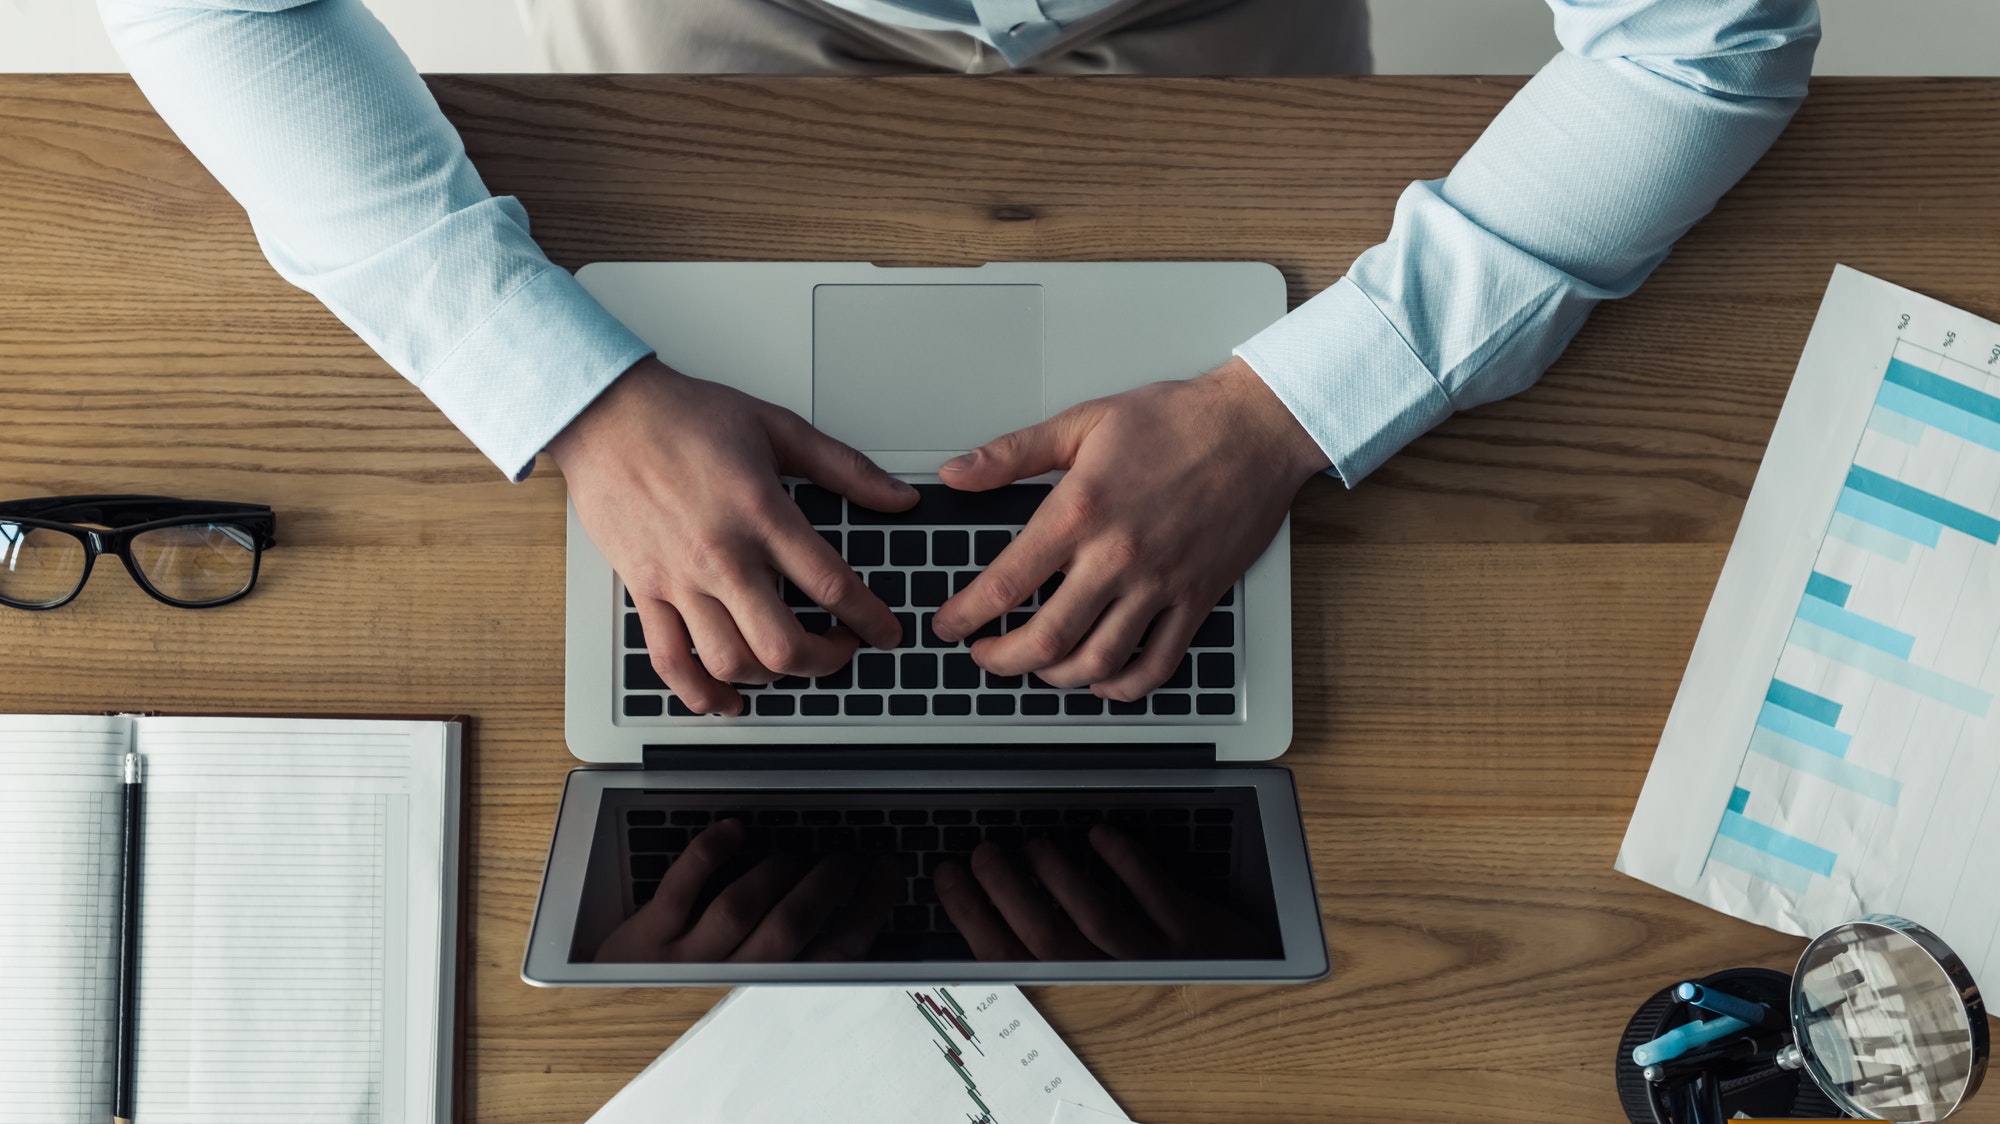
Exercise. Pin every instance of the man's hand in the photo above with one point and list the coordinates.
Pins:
(676, 479)
(1172, 491)
(783, 909)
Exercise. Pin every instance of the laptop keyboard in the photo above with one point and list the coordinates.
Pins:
(1197, 842)
(914, 561)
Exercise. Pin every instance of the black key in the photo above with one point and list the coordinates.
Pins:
(906, 706)
(952, 706)
(1040, 816)
(1228, 597)
(1041, 704)
(628, 600)
(938, 505)
(1002, 683)
(876, 840)
(1083, 704)
(876, 671)
(1215, 704)
(1214, 815)
(911, 918)
(909, 623)
(839, 679)
(1183, 676)
(777, 817)
(864, 706)
(793, 595)
(930, 637)
(639, 674)
(1018, 618)
(1170, 704)
(837, 840)
(986, 546)
(990, 628)
(960, 673)
(995, 705)
(909, 816)
(819, 624)
(1126, 817)
(1170, 815)
(951, 548)
(929, 588)
(962, 578)
(887, 585)
(1037, 683)
(820, 817)
(951, 815)
(1049, 588)
(822, 507)
(688, 817)
(819, 706)
(794, 840)
(649, 866)
(658, 839)
(1009, 837)
(907, 548)
(645, 817)
(642, 892)
(864, 548)
(866, 817)
(1216, 670)
(1122, 708)
(635, 633)
(1212, 838)
(920, 839)
(1082, 816)
(678, 709)
(791, 683)
(920, 671)
(643, 706)
(1173, 839)
(923, 890)
(959, 839)
(775, 706)
(832, 539)
(1218, 631)
(994, 815)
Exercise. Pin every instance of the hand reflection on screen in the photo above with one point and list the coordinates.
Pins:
(783, 908)
(1004, 916)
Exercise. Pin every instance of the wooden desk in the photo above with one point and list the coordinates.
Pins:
(1490, 630)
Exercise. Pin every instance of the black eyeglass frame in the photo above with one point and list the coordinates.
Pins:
(131, 516)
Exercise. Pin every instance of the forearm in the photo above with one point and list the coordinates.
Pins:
(360, 193)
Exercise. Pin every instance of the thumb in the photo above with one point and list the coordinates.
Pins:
(1018, 455)
(805, 451)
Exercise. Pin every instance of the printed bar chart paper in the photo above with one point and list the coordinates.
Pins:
(1835, 749)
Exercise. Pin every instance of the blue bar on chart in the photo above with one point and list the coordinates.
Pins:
(1856, 627)
(1889, 668)
(1803, 730)
(1886, 516)
(1895, 424)
(1868, 537)
(1830, 590)
(1900, 408)
(1764, 851)
(1923, 505)
(1936, 387)
(1827, 767)
(1800, 701)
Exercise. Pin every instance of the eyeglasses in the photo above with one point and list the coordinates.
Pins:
(194, 554)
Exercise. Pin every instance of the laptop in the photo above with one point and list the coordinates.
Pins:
(943, 821)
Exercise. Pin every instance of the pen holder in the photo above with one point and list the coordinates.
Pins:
(1752, 1086)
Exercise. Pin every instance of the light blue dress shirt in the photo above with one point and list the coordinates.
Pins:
(360, 193)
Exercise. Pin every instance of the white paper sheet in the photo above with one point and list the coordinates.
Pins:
(978, 1054)
(1069, 1112)
(60, 817)
(1835, 746)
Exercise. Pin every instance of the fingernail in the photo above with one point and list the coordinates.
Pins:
(961, 462)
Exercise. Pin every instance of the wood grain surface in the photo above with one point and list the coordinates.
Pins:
(1489, 631)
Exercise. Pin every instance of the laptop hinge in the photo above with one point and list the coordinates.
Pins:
(1094, 755)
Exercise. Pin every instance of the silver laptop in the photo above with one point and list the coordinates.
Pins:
(917, 758)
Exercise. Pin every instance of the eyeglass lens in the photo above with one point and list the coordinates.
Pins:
(39, 566)
(196, 562)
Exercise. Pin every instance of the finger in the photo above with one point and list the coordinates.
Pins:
(1114, 930)
(667, 646)
(823, 575)
(1107, 647)
(1173, 630)
(1164, 902)
(1038, 551)
(974, 917)
(645, 934)
(1051, 633)
(738, 910)
(805, 451)
(775, 637)
(1023, 453)
(1029, 912)
(720, 643)
(798, 916)
(853, 932)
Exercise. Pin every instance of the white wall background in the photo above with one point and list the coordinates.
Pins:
(1948, 37)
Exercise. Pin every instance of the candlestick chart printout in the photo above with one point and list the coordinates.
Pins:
(1835, 749)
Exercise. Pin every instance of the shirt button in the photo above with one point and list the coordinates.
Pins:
(1017, 29)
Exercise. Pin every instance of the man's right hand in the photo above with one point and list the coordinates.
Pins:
(676, 479)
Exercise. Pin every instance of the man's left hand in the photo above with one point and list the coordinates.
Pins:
(1171, 491)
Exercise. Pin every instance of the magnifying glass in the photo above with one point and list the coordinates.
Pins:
(1887, 1021)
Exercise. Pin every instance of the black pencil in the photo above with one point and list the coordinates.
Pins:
(128, 950)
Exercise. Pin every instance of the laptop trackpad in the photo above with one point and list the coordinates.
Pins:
(926, 366)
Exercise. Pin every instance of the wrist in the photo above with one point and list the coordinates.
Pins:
(574, 441)
(1265, 420)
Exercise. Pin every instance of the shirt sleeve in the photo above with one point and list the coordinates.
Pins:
(361, 194)
(1573, 195)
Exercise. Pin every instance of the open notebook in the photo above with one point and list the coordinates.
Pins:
(297, 929)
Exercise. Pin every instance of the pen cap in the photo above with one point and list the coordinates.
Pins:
(1784, 1096)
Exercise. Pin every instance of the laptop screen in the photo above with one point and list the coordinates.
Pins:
(913, 875)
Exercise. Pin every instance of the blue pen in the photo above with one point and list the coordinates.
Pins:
(1709, 999)
(1681, 1039)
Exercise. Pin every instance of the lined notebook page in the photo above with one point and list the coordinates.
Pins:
(295, 921)
(60, 815)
